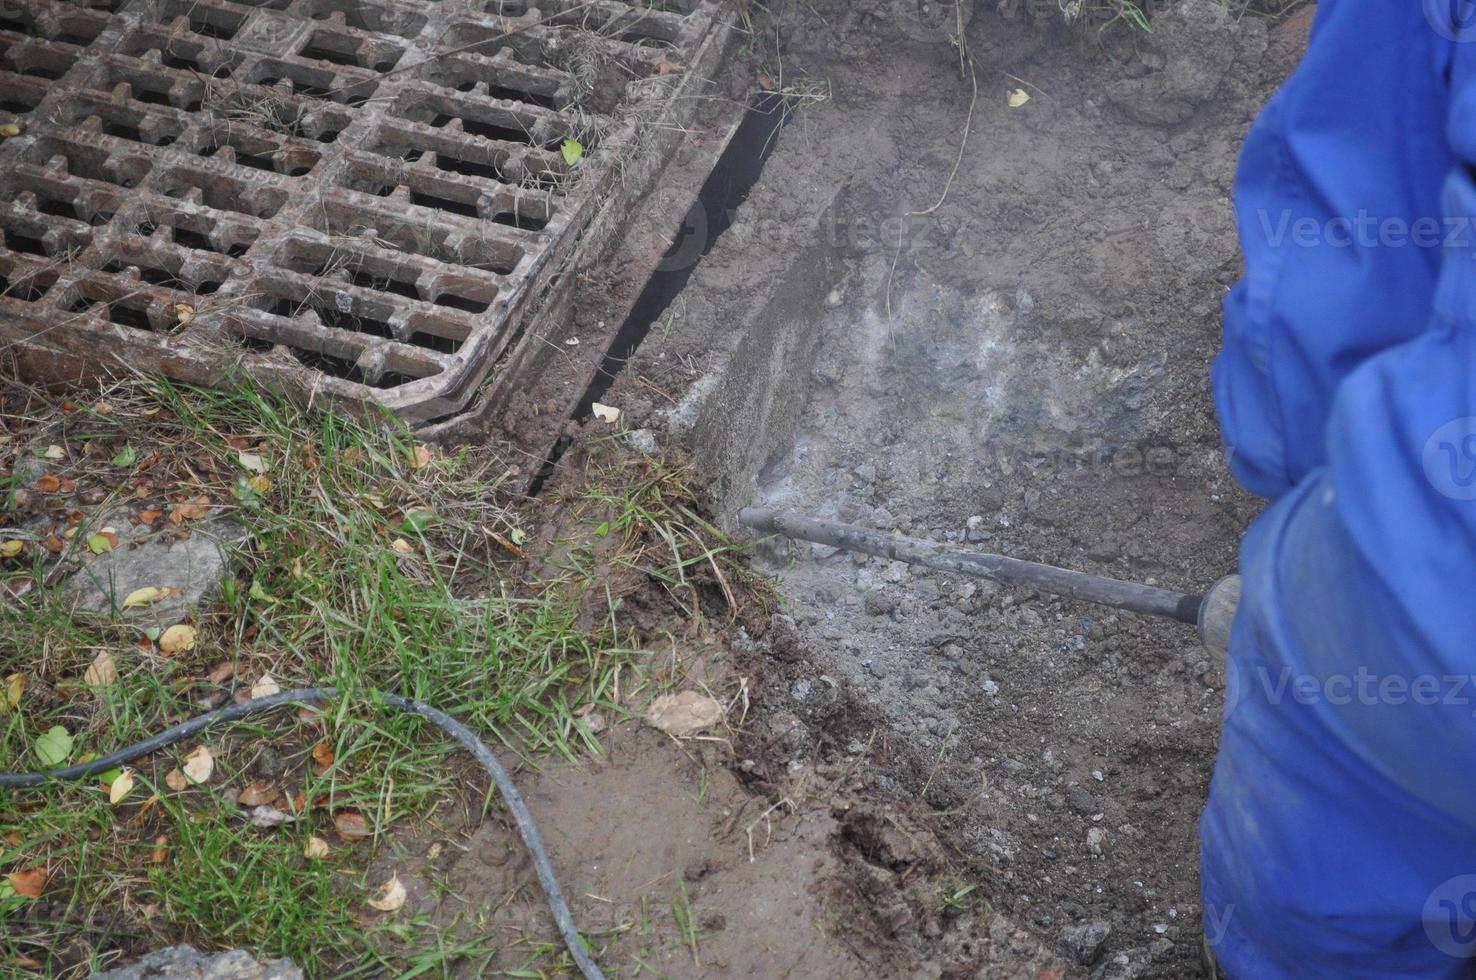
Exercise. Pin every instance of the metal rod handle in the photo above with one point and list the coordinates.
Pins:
(1014, 571)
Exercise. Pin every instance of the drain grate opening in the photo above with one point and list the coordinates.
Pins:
(24, 282)
(364, 227)
(366, 16)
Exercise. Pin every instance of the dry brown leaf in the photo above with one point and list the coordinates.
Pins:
(176, 780)
(391, 896)
(507, 545)
(670, 68)
(403, 547)
(190, 510)
(177, 639)
(421, 457)
(148, 517)
(221, 673)
(102, 671)
(48, 483)
(161, 850)
(684, 715)
(316, 849)
(184, 312)
(265, 687)
(198, 765)
(323, 754)
(351, 825)
(258, 793)
(30, 883)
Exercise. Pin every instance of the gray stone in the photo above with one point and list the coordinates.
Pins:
(643, 441)
(195, 566)
(1087, 940)
(1081, 801)
(188, 963)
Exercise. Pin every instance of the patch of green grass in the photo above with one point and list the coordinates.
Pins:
(367, 565)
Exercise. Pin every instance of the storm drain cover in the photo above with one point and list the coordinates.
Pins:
(353, 197)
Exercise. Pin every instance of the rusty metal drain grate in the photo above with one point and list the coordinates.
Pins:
(354, 197)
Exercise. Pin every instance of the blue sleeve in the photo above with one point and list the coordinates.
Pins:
(1342, 816)
(1337, 204)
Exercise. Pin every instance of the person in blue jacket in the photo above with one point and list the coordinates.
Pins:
(1339, 839)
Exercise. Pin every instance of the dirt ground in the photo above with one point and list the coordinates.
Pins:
(1011, 356)
(967, 320)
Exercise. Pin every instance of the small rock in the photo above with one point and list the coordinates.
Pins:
(188, 963)
(1081, 801)
(1087, 940)
(1096, 840)
(269, 763)
(974, 529)
(801, 690)
(642, 441)
(879, 604)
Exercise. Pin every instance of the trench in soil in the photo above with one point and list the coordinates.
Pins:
(726, 188)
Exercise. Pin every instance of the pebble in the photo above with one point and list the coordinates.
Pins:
(1081, 801)
(1096, 840)
(1087, 940)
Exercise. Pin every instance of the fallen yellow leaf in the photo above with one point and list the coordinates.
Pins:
(101, 672)
(177, 639)
(317, 848)
(605, 413)
(421, 457)
(402, 546)
(15, 686)
(198, 765)
(121, 786)
(391, 896)
(8, 130)
(146, 596)
(265, 687)
(12, 548)
(1017, 98)
(176, 780)
(184, 312)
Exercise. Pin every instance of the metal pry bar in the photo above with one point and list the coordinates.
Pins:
(997, 568)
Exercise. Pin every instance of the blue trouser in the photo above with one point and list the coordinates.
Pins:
(1339, 839)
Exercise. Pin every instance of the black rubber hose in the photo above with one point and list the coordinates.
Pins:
(443, 721)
